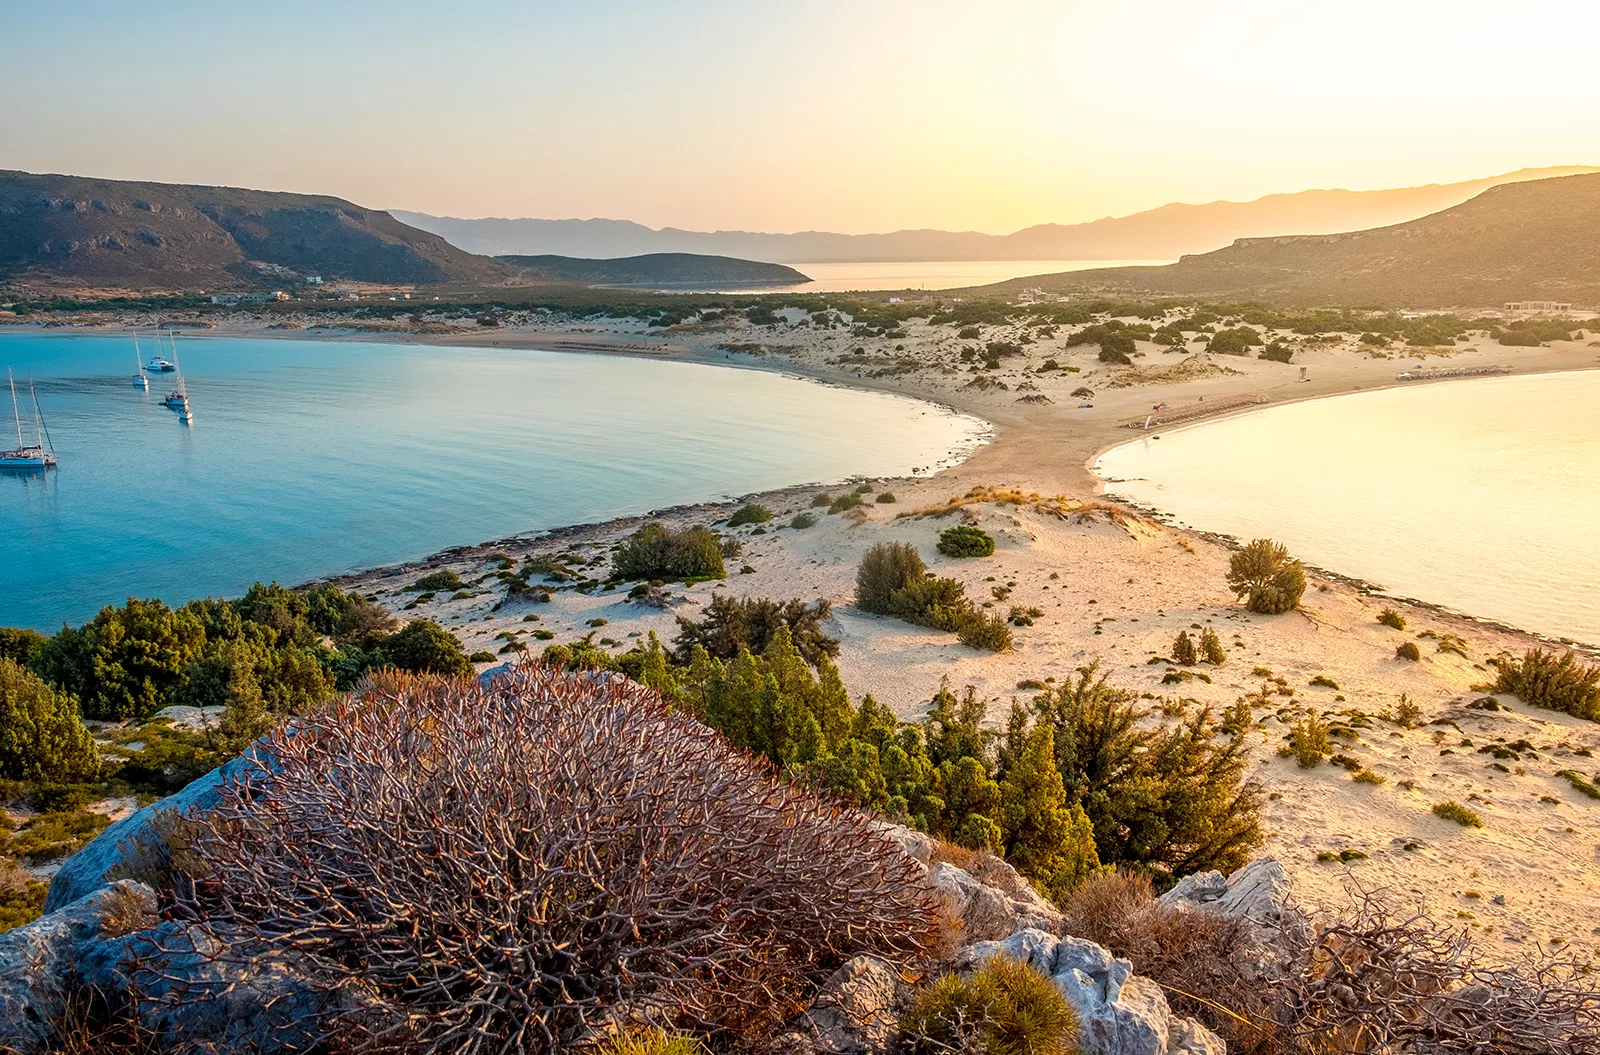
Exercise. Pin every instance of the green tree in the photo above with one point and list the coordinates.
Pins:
(1266, 578)
(126, 661)
(425, 647)
(1183, 650)
(41, 738)
(1211, 648)
(1046, 839)
(1169, 799)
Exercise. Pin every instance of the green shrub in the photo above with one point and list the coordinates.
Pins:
(822, 501)
(802, 521)
(885, 568)
(1322, 681)
(1406, 713)
(1556, 683)
(1112, 351)
(1183, 650)
(1211, 648)
(986, 633)
(425, 647)
(438, 581)
(1454, 811)
(125, 662)
(965, 541)
(885, 498)
(1003, 1008)
(1390, 617)
(482, 656)
(1308, 740)
(42, 740)
(751, 513)
(1266, 577)
(1410, 651)
(657, 551)
(1277, 352)
(20, 645)
(1367, 776)
(850, 500)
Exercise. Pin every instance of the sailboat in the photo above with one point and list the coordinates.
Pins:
(178, 398)
(29, 456)
(139, 380)
(158, 365)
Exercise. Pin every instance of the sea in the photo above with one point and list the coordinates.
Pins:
(1481, 495)
(310, 458)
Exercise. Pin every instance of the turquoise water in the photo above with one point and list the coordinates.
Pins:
(1481, 495)
(310, 458)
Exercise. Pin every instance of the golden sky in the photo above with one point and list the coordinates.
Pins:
(812, 114)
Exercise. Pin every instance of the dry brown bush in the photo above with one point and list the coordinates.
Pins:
(503, 868)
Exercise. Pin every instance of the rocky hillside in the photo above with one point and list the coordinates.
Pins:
(71, 230)
(659, 271)
(1538, 240)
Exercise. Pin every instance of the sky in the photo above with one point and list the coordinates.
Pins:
(841, 115)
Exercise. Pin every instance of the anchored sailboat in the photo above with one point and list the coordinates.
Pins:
(35, 455)
(178, 398)
(139, 380)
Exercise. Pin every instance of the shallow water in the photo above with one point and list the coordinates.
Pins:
(1481, 495)
(310, 458)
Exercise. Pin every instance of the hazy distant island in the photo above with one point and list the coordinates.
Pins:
(660, 270)
(1164, 233)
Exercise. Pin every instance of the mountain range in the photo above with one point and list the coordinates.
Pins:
(114, 233)
(1165, 233)
(1537, 240)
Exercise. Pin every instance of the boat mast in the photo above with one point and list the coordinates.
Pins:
(38, 418)
(15, 413)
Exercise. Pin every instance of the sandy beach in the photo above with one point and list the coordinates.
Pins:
(1116, 586)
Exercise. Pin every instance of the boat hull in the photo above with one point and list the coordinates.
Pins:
(27, 461)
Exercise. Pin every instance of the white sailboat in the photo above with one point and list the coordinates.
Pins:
(139, 380)
(28, 456)
(178, 399)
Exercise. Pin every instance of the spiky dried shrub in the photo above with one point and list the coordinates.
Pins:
(1387, 979)
(504, 868)
(1203, 960)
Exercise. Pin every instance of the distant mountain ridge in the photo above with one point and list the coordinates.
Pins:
(98, 232)
(1537, 240)
(1167, 232)
(660, 270)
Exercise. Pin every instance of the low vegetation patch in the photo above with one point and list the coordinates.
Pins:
(1454, 811)
(751, 513)
(965, 541)
(657, 551)
(892, 580)
(1003, 1007)
(1390, 617)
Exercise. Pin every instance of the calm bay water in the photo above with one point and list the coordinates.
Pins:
(1482, 495)
(310, 458)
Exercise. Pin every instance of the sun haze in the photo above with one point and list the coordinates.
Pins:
(828, 115)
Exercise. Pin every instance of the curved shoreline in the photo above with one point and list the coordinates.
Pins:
(1362, 585)
(1018, 444)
